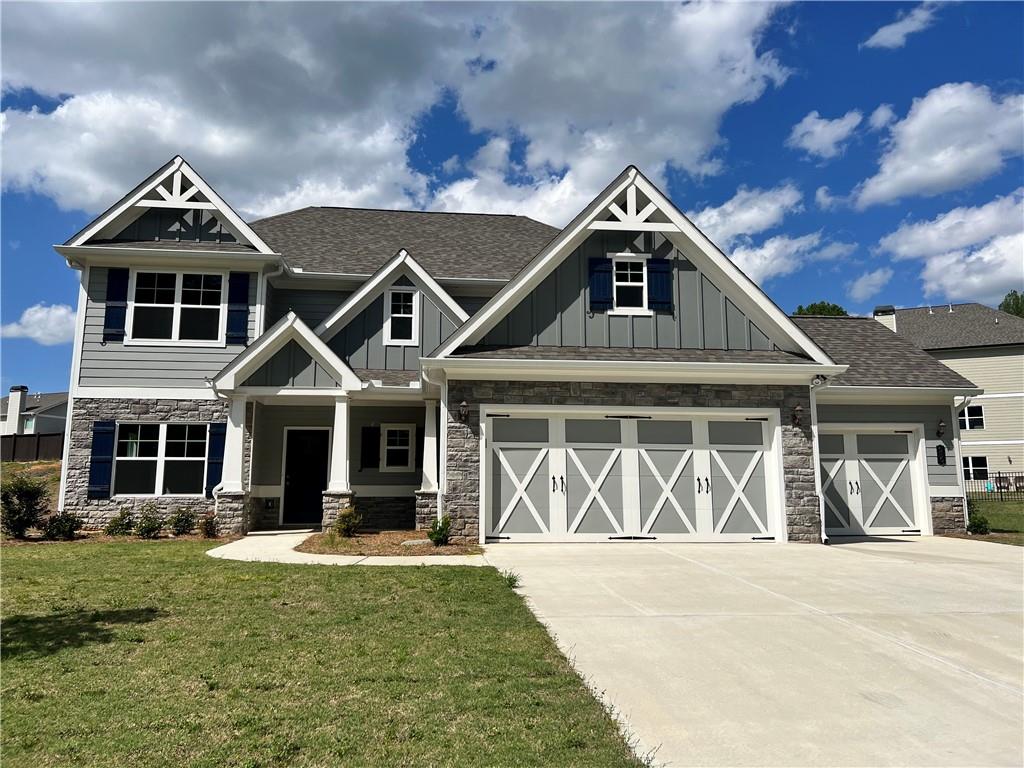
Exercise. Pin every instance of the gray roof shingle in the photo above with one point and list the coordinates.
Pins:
(950, 326)
(638, 354)
(37, 401)
(448, 245)
(388, 378)
(876, 356)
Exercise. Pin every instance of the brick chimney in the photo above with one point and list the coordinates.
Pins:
(15, 407)
(886, 315)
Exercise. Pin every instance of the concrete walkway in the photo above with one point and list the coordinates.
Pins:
(278, 547)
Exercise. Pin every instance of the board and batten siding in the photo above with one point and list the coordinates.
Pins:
(291, 366)
(926, 415)
(115, 364)
(556, 312)
(312, 306)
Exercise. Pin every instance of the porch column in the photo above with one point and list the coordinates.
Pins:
(234, 439)
(338, 476)
(429, 481)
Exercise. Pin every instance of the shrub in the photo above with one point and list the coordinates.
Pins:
(440, 531)
(121, 524)
(181, 522)
(978, 525)
(208, 526)
(23, 500)
(348, 522)
(149, 523)
(61, 527)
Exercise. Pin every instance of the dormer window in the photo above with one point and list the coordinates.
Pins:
(176, 306)
(400, 321)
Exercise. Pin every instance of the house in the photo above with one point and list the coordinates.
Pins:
(987, 347)
(29, 414)
(619, 378)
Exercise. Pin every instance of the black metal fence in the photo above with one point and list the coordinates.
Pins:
(39, 447)
(997, 486)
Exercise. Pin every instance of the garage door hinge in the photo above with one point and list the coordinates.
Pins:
(632, 538)
(762, 538)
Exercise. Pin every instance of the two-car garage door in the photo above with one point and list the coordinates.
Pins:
(658, 474)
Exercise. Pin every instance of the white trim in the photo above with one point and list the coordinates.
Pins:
(410, 430)
(428, 480)
(288, 328)
(76, 361)
(967, 442)
(946, 490)
(382, 279)
(414, 318)
(442, 474)
(145, 393)
(816, 454)
(284, 461)
(958, 458)
(338, 468)
(161, 458)
(106, 255)
(231, 480)
(918, 395)
(176, 308)
(630, 258)
(964, 414)
(998, 395)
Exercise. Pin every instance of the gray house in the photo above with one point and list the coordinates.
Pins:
(29, 413)
(619, 378)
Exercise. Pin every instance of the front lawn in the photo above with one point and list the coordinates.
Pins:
(151, 653)
(1005, 519)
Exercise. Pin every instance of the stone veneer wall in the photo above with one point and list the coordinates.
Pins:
(95, 513)
(462, 495)
(333, 504)
(948, 515)
(387, 513)
(426, 509)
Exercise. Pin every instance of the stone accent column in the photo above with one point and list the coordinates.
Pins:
(232, 513)
(426, 509)
(334, 502)
(948, 515)
(337, 483)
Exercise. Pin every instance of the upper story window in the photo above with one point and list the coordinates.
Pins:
(972, 417)
(176, 306)
(400, 320)
(629, 283)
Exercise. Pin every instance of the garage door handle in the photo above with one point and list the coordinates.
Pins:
(707, 484)
(699, 487)
(858, 487)
(851, 487)
(562, 478)
(554, 484)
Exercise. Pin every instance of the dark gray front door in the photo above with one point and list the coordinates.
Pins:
(305, 476)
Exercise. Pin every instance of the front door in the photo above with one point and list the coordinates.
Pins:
(305, 476)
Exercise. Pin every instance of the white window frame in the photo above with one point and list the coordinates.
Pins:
(964, 419)
(414, 341)
(411, 430)
(967, 472)
(175, 341)
(636, 258)
(161, 458)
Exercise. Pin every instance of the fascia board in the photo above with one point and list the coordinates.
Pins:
(879, 395)
(105, 255)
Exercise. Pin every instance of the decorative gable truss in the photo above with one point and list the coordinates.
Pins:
(173, 199)
(632, 211)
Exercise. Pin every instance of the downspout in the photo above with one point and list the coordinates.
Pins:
(958, 453)
(823, 383)
(220, 396)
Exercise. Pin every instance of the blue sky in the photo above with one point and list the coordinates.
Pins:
(857, 153)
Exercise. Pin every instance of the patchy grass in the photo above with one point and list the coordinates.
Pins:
(1005, 519)
(152, 654)
(383, 543)
(47, 471)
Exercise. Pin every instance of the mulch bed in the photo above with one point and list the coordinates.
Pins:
(382, 543)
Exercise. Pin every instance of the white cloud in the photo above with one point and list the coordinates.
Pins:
(984, 274)
(281, 105)
(956, 229)
(895, 35)
(451, 165)
(869, 284)
(821, 137)
(777, 256)
(834, 251)
(825, 200)
(45, 324)
(956, 135)
(748, 212)
(881, 117)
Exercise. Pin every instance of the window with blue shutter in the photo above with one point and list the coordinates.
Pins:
(600, 284)
(116, 304)
(659, 285)
(238, 308)
(215, 457)
(101, 459)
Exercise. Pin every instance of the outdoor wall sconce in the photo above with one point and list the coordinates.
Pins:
(463, 411)
(798, 415)
(940, 428)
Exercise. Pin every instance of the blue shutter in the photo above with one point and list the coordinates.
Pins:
(101, 460)
(600, 284)
(238, 308)
(659, 285)
(215, 456)
(116, 304)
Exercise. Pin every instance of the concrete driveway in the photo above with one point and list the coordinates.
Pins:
(895, 652)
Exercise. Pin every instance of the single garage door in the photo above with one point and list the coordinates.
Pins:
(586, 476)
(871, 482)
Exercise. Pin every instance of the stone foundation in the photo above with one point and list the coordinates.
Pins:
(426, 509)
(462, 494)
(948, 515)
(232, 512)
(387, 513)
(333, 503)
(262, 517)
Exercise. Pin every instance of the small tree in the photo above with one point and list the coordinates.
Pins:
(1012, 304)
(23, 501)
(821, 308)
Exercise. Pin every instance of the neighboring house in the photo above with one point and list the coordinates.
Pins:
(619, 378)
(986, 346)
(28, 414)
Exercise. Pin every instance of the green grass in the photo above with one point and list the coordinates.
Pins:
(1005, 519)
(151, 653)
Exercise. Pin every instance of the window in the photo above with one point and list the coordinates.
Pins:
(160, 459)
(400, 323)
(397, 447)
(972, 417)
(629, 285)
(975, 467)
(177, 306)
